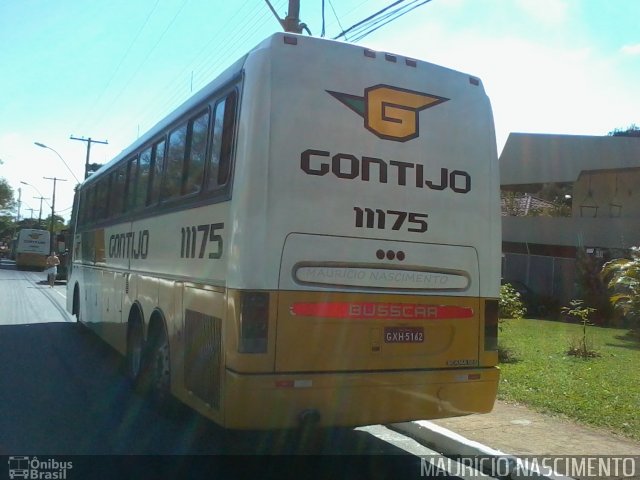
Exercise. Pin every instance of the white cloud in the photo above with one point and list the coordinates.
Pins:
(550, 12)
(631, 49)
(534, 87)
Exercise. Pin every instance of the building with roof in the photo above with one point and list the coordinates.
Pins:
(600, 178)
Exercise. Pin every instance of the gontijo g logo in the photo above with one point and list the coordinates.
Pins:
(390, 112)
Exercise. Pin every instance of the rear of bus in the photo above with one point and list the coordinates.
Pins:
(366, 233)
(32, 249)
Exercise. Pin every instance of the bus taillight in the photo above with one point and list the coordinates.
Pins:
(254, 322)
(491, 325)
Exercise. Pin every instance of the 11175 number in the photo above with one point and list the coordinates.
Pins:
(196, 238)
(370, 218)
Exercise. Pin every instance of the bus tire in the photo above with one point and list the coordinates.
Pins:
(76, 310)
(158, 364)
(135, 354)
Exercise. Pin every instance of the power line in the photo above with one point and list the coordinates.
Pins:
(389, 18)
(383, 17)
(167, 97)
(117, 69)
(224, 53)
(344, 32)
(335, 15)
(141, 64)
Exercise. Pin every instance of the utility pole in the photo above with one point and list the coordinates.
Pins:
(291, 23)
(53, 207)
(40, 214)
(292, 20)
(30, 210)
(89, 141)
(19, 204)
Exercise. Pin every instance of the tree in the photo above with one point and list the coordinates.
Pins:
(58, 223)
(631, 131)
(7, 228)
(6, 195)
(622, 277)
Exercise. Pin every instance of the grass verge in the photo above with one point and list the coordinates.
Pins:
(603, 391)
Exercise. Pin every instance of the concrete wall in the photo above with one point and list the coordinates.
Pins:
(614, 233)
(607, 194)
(547, 276)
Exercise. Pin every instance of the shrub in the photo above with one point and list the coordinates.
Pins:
(622, 277)
(581, 346)
(510, 305)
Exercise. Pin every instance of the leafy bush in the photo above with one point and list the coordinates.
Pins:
(581, 346)
(622, 277)
(591, 288)
(510, 305)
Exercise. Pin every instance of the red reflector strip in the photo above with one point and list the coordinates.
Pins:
(474, 376)
(364, 311)
(284, 383)
(294, 383)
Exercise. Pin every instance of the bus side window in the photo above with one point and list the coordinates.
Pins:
(228, 131)
(173, 172)
(157, 166)
(102, 196)
(198, 128)
(142, 188)
(116, 196)
(91, 201)
(222, 143)
(82, 213)
(132, 181)
(216, 143)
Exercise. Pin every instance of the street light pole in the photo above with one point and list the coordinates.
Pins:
(19, 204)
(42, 145)
(53, 207)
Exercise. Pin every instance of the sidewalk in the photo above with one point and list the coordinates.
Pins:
(517, 430)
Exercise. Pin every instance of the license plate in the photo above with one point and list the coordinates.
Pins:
(403, 335)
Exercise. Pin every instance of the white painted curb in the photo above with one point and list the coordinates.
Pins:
(449, 443)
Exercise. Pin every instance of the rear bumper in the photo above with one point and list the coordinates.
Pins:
(350, 399)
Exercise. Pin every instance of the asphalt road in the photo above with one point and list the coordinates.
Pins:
(63, 392)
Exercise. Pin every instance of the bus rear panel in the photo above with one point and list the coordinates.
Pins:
(32, 249)
(368, 229)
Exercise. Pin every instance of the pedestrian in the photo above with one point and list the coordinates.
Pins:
(52, 268)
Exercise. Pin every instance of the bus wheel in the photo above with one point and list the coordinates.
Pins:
(135, 347)
(77, 311)
(159, 368)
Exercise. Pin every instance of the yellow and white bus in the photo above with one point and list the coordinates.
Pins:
(32, 249)
(314, 236)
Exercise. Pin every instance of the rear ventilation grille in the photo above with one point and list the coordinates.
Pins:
(203, 344)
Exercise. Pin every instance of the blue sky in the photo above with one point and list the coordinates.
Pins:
(111, 69)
